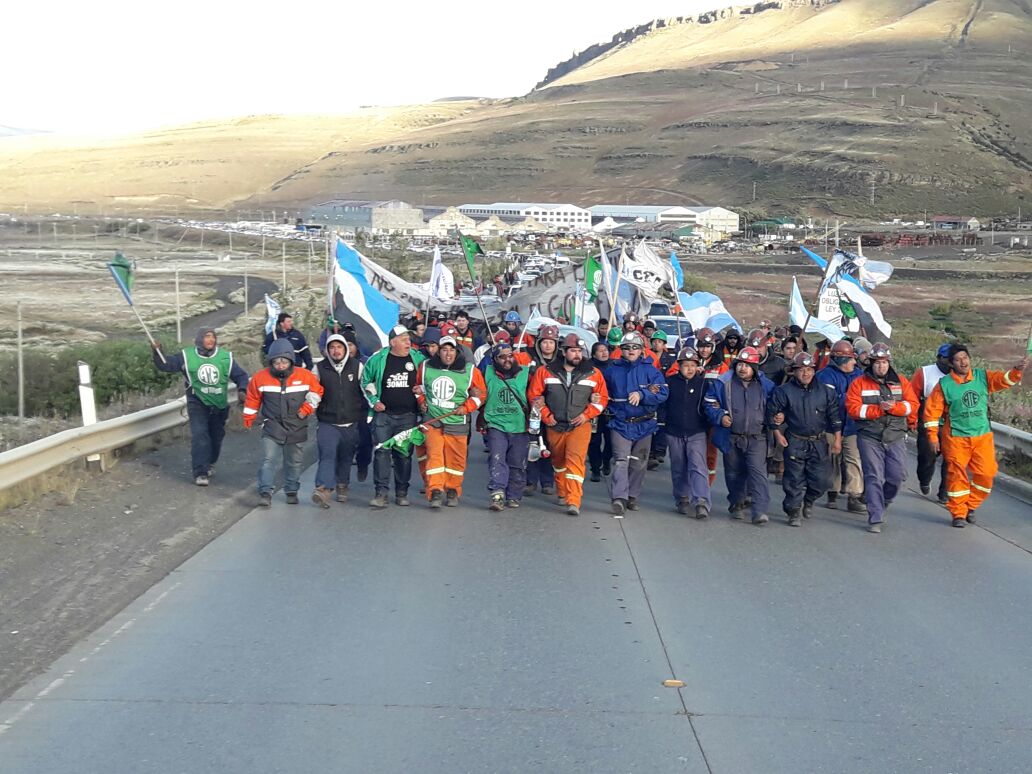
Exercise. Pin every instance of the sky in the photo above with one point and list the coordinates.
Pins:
(112, 67)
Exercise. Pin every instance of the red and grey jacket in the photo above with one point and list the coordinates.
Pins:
(284, 403)
(863, 403)
(568, 394)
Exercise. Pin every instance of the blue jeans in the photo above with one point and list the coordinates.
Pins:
(336, 448)
(507, 462)
(745, 472)
(688, 469)
(207, 429)
(389, 461)
(292, 455)
(540, 472)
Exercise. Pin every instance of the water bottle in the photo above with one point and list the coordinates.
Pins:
(535, 422)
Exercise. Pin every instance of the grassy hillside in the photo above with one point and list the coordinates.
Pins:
(923, 100)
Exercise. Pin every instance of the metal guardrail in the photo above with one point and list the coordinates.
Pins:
(1010, 438)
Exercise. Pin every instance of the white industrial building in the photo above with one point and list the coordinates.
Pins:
(564, 215)
(711, 218)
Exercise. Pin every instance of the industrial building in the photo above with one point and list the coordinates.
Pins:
(376, 217)
(715, 219)
(564, 215)
(955, 223)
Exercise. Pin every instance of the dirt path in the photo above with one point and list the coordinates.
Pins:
(256, 289)
(65, 570)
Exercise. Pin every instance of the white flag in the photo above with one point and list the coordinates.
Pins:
(442, 283)
(272, 310)
(646, 271)
(798, 316)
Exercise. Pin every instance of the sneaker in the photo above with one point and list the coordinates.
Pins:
(632, 503)
(211, 471)
(832, 500)
(856, 505)
(794, 519)
(761, 519)
(436, 498)
(380, 501)
(619, 506)
(265, 499)
(321, 496)
(363, 473)
(652, 464)
(572, 510)
(737, 510)
(201, 480)
(960, 523)
(971, 518)
(497, 502)
(874, 528)
(596, 476)
(683, 505)
(512, 503)
(402, 500)
(452, 500)
(926, 489)
(342, 493)
(548, 490)
(807, 510)
(702, 511)
(292, 498)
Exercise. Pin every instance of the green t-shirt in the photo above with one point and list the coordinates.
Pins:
(968, 404)
(209, 376)
(503, 410)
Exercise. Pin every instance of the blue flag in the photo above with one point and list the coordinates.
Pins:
(678, 274)
(360, 303)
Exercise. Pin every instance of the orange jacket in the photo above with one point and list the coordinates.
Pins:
(544, 383)
(285, 418)
(935, 406)
(863, 398)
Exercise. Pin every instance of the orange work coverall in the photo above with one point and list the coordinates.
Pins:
(442, 457)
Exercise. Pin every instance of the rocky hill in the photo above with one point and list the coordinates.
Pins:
(920, 105)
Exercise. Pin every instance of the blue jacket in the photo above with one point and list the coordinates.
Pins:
(718, 405)
(624, 377)
(833, 377)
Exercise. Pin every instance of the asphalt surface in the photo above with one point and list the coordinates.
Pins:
(462, 640)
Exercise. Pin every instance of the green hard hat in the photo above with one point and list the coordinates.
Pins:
(661, 335)
(614, 337)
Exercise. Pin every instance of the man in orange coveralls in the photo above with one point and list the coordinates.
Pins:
(569, 393)
(962, 397)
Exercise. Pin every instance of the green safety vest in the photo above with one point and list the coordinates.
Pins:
(209, 376)
(502, 410)
(446, 391)
(968, 404)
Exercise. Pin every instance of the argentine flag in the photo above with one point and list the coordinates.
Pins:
(706, 310)
(359, 303)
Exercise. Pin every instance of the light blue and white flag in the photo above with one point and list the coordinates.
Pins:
(677, 276)
(272, 310)
(359, 302)
(798, 316)
(706, 310)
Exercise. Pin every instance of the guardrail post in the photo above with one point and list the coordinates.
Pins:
(89, 410)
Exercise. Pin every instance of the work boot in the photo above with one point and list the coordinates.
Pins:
(512, 503)
(265, 499)
(497, 501)
(856, 505)
(874, 528)
(807, 510)
(363, 473)
(943, 500)
(632, 503)
(607, 468)
(452, 499)
(794, 519)
(548, 490)
(737, 511)
(201, 480)
(971, 518)
(683, 504)
(652, 464)
(436, 499)
(321, 496)
(619, 506)
(529, 490)
(292, 498)
(342, 493)
(380, 501)
(402, 500)
(596, 475)
(926, 489)
(761, 519)
(832, 500)
(572, 510)
(960, 523)
(701, 511)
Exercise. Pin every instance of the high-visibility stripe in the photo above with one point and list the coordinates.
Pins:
(434, 471)
(713, 471)
(959, 493)
(574, 477)
(863, 411)
(250, 411)
(981, 488)
(1007, 380)
(599, 406)
(870, 392)
(476, 400)
(931, 424)
(559, 470)
(906, 405)
(587, 382)
(454, 472)
(552, 380)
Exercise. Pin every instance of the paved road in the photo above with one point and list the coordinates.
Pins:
(460, 640)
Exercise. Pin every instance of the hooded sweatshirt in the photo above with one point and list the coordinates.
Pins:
(177, 362)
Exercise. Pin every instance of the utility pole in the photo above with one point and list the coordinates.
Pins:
(283, 265)
(872, 193)
(247, 306)
(874, 92)
(754, 190)
(179, 310)
(21, 367)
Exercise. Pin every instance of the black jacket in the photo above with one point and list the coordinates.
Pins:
(302, 354)
(809, 411)
(343, 402)
(684, 409)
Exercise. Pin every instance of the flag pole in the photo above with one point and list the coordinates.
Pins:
(146, 330)
(607, 280)
(616, 287)
(476, 292)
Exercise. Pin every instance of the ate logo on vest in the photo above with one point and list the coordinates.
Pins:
(208, 375)
(443, 388)
(505, 396)
(970, 399)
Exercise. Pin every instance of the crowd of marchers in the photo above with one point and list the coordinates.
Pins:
(554, 413)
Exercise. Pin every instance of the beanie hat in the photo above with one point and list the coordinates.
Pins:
(431, 336)
(281, 348)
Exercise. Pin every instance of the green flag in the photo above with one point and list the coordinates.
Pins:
(404, 441)
(847, 309)
(471, 249)
(123, 270)
(592, 277)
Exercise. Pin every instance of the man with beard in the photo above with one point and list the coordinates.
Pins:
(636, 389)
(810, 410)
(600, 450)
(448, 389)
(923, 382)
(540, 473)
(665, 361)
(341, 413)
(881, 402)
(713, 367)
(686, 435)
(463, 333)
(846, 472)
(731, 347)
(569, 393)
(207, 371)
(960, 404)
(602, 328)
(736, 408)
(285, 396)
(503, 420)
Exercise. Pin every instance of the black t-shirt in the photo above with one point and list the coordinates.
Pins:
(399, 377)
